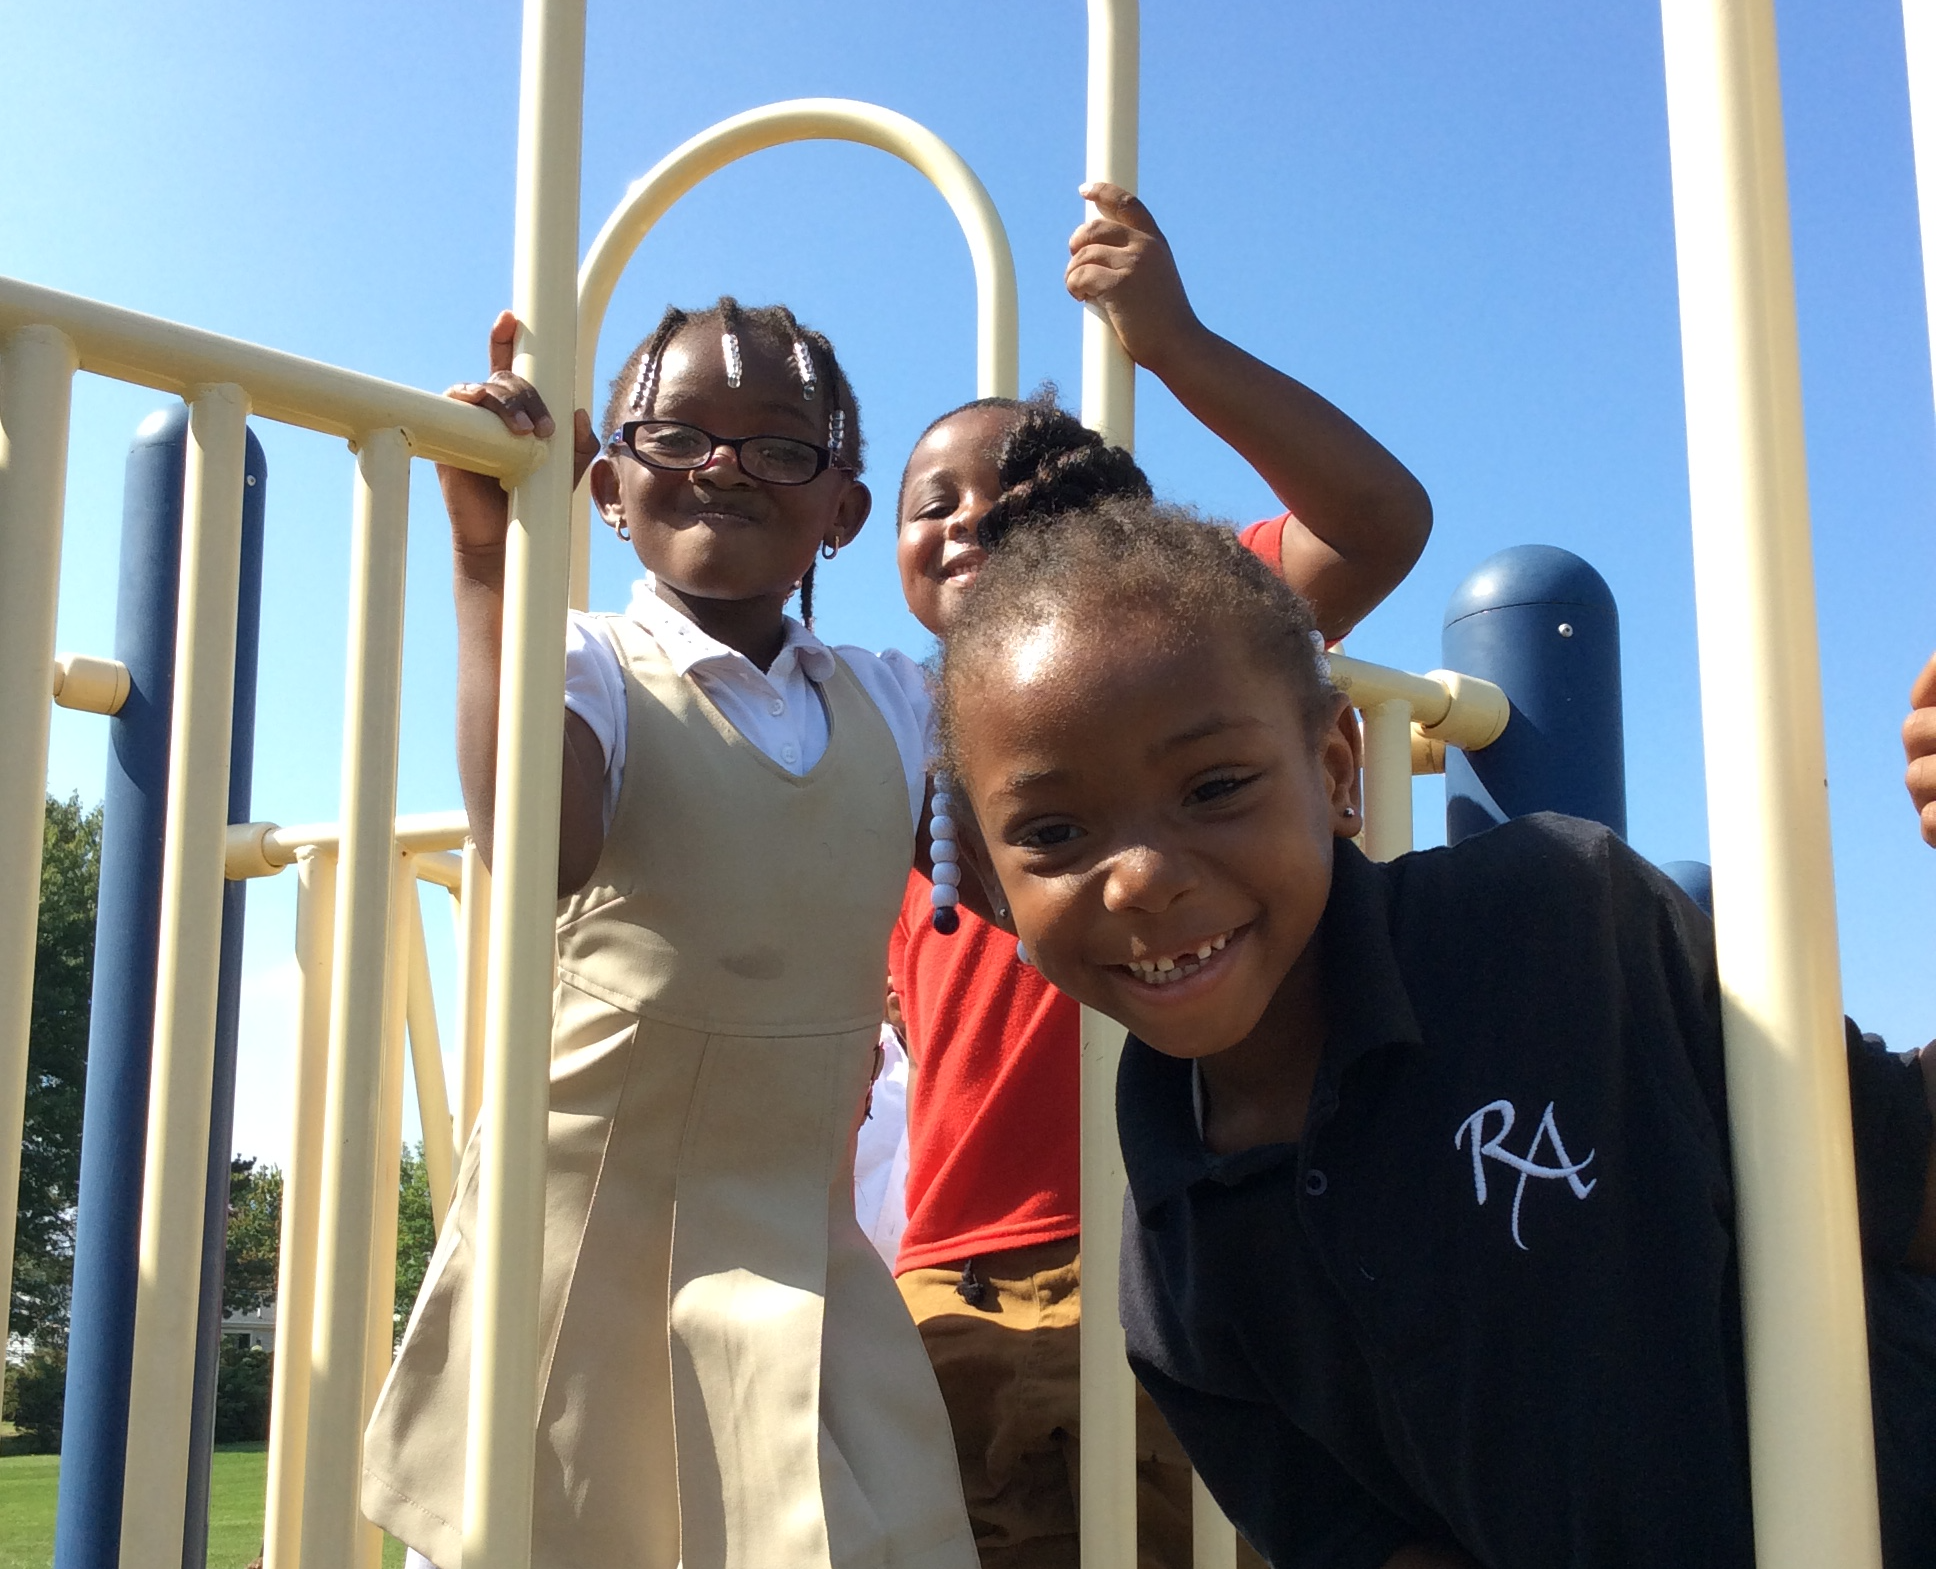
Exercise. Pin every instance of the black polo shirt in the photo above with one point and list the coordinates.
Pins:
(1490, 1298)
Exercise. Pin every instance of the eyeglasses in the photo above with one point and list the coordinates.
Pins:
(667, 444)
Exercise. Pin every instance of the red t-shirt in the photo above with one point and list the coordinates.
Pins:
(994, 1148)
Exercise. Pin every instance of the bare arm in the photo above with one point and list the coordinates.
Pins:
(479, 522)
(1358, 517)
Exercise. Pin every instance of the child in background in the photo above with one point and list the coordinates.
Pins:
(1430, 1252)
(729, 1376)
(989, 1264)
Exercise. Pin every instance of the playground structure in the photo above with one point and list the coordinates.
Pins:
(360, 941)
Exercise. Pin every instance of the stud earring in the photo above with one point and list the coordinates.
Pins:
(1351, 811)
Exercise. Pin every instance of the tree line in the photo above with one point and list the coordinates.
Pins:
(50, 1163)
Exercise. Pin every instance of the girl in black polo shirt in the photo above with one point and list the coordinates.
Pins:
(1431, 1256)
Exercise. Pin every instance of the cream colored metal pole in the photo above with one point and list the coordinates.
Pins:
(1919, 47)
(800, 120)
(1388, 779)
(36, 382)
(1108, 374)
(500, 1444)
(473, 972)
(1774, 893)
(332, 1462)
(380, 1322)
(427, 1062)
(1108, 1402)
(175, 1177)
(1213, 1540)
(301, 1181)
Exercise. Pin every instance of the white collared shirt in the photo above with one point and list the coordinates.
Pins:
(777, 710)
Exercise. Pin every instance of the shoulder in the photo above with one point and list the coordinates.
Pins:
(1265, 540)
(1529, 865)
(897, 684)
(1551, 896)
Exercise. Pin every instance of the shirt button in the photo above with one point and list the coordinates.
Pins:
(1315, 1182)
(789, 753)
(777, 706)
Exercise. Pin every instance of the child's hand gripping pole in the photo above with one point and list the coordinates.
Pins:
(479, 510)
(1120, 263)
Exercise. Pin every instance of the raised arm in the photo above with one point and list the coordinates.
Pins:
(1358, 517)
(479, 523)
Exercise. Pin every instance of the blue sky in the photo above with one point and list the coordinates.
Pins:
(1453, 220)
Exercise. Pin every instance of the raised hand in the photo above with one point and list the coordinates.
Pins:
(1919, 746)
(478, 511)
(1120, 263)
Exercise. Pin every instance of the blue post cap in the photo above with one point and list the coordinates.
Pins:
(1695, 879)
(1541, 624)
(1529, 575)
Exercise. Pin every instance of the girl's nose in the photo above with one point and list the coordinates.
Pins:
(722, 463)
(1147, 878)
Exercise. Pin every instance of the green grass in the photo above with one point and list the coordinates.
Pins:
(236, 1483)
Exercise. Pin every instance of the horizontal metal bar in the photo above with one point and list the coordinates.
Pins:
(263, 849)
(90, 685)
(1460, 710)
(445, 868)
(169, 357)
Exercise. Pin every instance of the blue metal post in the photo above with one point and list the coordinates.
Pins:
(114, 1126)
(1695, 879)
(228, 1007)
(1541, 624)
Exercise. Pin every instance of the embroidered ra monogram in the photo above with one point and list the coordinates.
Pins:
(1527, 1165)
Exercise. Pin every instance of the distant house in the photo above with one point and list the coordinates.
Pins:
(257, 1330)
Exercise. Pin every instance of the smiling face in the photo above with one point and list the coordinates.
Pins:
(714, 533)
(1160, 814)
(950, 483)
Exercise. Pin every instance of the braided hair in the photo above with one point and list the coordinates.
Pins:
(1048, 463)
(1127, 562)
(775, 328)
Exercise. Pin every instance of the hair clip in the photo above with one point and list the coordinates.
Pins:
(837, 434)
(803, 360)
(729, 345)
(642, 388)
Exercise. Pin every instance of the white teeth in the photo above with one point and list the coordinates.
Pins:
(1173, 967)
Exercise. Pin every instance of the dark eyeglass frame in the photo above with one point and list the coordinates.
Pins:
(627, 433)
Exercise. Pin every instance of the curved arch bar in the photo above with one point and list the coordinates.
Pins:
(798, 120)
(814, 120)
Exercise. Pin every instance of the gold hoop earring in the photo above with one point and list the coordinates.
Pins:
(828, 552)
(625, 533)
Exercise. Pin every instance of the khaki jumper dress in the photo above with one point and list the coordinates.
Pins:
(729, 1378)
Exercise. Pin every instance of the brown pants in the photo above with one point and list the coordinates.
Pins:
(1009, 1371)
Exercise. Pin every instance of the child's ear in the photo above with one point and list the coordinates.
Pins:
(1341, 755)
(603, 479)
(856, 502)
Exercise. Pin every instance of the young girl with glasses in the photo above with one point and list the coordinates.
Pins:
(990, 1262)
(729, 1375)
